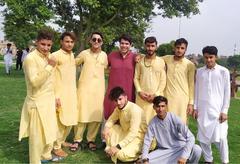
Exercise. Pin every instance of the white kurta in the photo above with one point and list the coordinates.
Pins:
(212, 97)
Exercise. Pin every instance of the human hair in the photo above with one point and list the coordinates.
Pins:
(44, 34)
(210, 50)
(181, 41)
(125, 37)
(98, 33)
(159, 99)
(70, 34)
(150, 39)
(116, 92)
(9, 44)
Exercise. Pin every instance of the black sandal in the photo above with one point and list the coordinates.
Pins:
(93, 147)
(74, 148)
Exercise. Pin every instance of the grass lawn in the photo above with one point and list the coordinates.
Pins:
(12, 89)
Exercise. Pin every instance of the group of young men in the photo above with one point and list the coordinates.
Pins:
(154, 130)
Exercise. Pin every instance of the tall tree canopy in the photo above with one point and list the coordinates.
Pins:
(111, 17)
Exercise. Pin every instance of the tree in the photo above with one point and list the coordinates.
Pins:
(166, 49)
(234, 61)
(111, 17)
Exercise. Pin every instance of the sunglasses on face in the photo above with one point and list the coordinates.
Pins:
(97, 39)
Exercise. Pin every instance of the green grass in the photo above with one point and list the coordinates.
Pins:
(12, 89)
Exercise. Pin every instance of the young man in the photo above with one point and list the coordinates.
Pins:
(121, 65)
(150, 78)
(175, 142)
(65, 90)
(8, 55)
(125, 128)
(180, 81)
(38, 119)
(212, 99)
(91, 88)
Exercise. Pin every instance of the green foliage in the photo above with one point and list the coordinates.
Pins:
(111, 17)
(234, 61)
(166, 49)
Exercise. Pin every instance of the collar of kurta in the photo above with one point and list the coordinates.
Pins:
(215, 67)
(180, 61)
(41, 55)
(126, 56)
(64, 52)
(164, 118)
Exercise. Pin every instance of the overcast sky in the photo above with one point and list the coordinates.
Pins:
(218, 24)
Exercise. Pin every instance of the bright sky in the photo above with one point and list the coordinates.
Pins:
(218, 24)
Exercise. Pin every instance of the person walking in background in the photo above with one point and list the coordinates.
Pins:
(180, 81)
(212, 100)
(19, 59)
(8, 58)
(25, 53)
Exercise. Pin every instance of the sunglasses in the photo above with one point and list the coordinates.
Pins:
(97, 39)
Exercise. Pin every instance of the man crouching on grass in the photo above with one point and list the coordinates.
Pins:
(124, 130)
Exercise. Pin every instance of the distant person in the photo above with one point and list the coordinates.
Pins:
(25, 53)
(38, 118)
(175, 142)
(90, 92)
(125, 128)
(19, 60)
(65, 91)
(8, 58)
(150, 78)
(180, 81)
(212, 100)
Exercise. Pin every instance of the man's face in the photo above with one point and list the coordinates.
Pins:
(124, 46)
(121, 101)
(67, 44)
(210, 60)
(96, 41)
(44, 46)
(161, 110)
(180, 50)
(151, 48)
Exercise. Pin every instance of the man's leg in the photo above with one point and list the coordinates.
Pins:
(78, 131)
(93, 128)
(38, 150)
(207, 152)
(223, 149)
(195, 154)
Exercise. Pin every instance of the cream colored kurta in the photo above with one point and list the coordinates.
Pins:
(150, 78)
(65, 87)
(180, 85)
(129, 133)
(40, 96)
(91, 85)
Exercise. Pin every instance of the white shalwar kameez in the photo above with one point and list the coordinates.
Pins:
(212, 97)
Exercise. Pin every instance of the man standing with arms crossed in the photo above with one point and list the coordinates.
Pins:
(65, 90)
(180, 81)
(150, 78)
(38, 119)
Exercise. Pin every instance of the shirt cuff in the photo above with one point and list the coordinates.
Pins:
(225, 110)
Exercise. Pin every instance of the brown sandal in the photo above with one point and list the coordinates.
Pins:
(92, 146)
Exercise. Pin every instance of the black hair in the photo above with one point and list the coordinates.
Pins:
(115, 93)
(125, 37)
(150, 39)
(44, 34)
(181, 41)
(159, 99)
(70, 34)
(210, 50)
(98, 33)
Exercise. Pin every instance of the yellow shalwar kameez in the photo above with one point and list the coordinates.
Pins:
(66, 91)
(90, 92)
(128, 133)
(150, 78)
(38, 118)
(180, 85)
